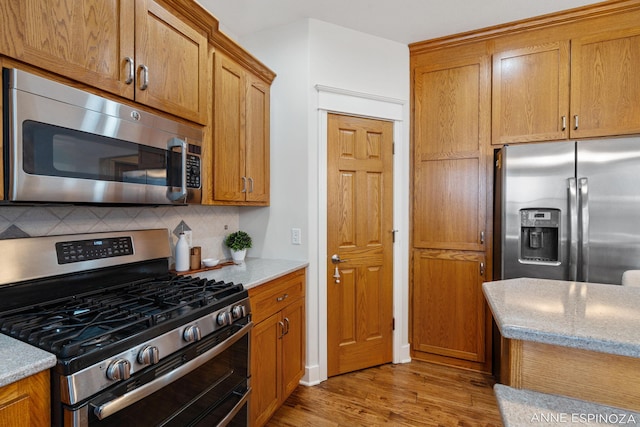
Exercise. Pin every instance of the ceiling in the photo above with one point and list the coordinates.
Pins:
(404, 21)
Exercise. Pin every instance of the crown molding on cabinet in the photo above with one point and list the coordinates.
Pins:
(534, 23)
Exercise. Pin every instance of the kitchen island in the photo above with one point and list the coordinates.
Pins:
(568, 339)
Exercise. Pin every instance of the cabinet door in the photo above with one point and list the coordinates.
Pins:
(228, 130)
(257, 140)
(451, 129)
(293, 347)
(86, 40)
(448, 307)
(26, 403)
(241, 155)
(266, 368)
(175, 57)
(605, 89)
(531, 94)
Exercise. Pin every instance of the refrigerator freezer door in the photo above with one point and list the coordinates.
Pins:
(535, 184)
(612, 235)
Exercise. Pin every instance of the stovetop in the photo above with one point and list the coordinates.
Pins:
(81, 325)
(92, 296)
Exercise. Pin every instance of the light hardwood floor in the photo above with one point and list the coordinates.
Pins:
(411, 394)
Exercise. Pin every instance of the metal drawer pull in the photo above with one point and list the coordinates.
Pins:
(282, 298)
(575, 122)
(250, 185)
(244, 184)
(564, 123)
(282, 329)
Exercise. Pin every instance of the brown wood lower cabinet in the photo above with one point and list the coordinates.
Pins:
(277, 343)
(26, 403)
(448, 311)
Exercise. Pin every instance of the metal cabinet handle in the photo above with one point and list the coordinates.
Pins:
(564, 123)
(282, 298)
(130, 70)
(482, 268)
(145, 77)
(244, 184)
(482, 237)
(287, 324)
(282, 329)
(575, 122)
(250, 185)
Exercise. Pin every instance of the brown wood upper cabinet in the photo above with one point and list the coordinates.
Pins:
(240, 135)
(578, 88)
(136, 49)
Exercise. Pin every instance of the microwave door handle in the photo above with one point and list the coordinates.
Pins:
(172, 195)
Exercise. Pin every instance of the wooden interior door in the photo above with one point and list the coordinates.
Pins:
(360, 202)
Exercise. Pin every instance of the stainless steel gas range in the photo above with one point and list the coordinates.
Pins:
(135, 344)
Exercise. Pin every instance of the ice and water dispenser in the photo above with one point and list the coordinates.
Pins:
(539, 235)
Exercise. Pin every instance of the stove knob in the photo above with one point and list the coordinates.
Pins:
(149, 355)
(192, 333)
(224, 318)
(238, 311)
(119, 369)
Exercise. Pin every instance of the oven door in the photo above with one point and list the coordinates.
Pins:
(205, 384)
(70, 146)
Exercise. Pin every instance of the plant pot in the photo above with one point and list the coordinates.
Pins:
(238, 256)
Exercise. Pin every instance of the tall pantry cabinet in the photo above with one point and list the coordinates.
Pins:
(451, 130)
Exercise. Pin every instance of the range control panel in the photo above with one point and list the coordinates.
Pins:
(87, 250)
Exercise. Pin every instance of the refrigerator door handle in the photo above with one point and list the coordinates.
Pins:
(573, 230)
(583, 192)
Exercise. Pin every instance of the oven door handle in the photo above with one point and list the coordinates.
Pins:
(226, 420)
(111, 407)
(177, 195)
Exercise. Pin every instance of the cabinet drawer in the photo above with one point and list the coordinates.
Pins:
(271, 297)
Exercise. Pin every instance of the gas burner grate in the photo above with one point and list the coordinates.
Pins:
(81, 324)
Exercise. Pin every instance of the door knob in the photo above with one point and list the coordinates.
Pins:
(335, 258)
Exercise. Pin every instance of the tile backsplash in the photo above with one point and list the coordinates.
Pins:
(206, 222)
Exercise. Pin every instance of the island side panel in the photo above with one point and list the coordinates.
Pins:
(603, 378)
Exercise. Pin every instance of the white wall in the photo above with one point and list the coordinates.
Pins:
(304, 55)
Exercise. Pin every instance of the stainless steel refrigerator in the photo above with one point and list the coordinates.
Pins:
(568, 210)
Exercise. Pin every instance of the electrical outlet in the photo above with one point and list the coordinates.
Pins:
(188, 236)
(296, 236)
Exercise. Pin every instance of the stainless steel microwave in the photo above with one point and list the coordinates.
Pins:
(65, 145)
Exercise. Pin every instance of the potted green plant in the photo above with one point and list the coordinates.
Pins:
(238, 242)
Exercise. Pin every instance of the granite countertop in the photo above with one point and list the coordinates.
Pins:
(589, 316)
(20, 360)
(525, 407)
(254, 271)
